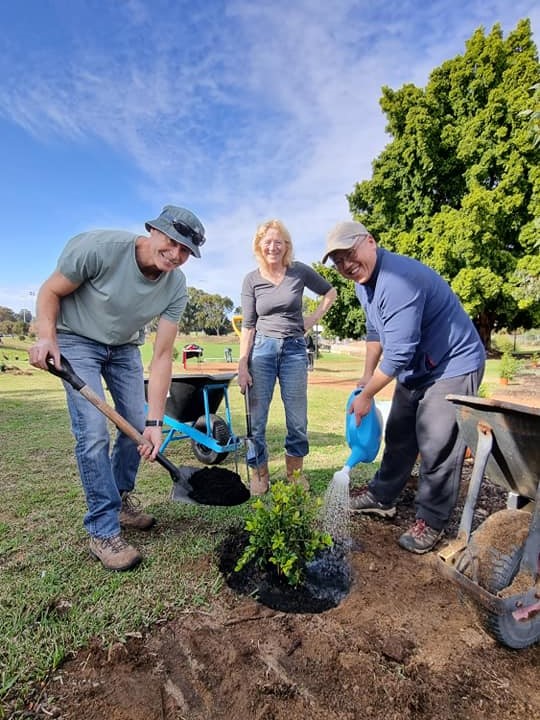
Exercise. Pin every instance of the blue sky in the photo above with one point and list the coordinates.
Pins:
(238, 110)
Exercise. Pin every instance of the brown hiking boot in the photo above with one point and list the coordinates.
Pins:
(259, 481)
(295, 472)
(114, 553)
(131, 515)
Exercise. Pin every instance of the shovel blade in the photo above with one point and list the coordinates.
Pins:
(180, 494)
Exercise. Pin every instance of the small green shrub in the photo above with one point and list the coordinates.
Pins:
(503, 344)
(509, 366)
(483, 391)
(283, 531)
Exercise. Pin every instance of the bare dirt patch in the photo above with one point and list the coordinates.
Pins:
(403, 644)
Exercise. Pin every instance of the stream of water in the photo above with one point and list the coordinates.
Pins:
(335, 508)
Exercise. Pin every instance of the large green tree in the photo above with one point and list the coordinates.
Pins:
(458, 186)
(206, 312)
(345, 318)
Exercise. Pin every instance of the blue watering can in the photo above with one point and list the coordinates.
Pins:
(364, 440)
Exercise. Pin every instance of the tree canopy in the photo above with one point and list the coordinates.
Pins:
(345, 318)
(458, 186)
(206, 312)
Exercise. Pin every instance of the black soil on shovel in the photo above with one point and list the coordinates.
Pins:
(327, 578)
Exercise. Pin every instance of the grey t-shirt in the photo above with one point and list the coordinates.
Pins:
(114, 300)
(276, 310)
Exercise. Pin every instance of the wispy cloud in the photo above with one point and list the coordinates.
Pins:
(243, 110)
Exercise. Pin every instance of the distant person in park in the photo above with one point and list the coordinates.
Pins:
(419, 335)
(108, 284)
(273, 346)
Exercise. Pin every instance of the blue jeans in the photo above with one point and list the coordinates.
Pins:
(283, 359)
(104, 475)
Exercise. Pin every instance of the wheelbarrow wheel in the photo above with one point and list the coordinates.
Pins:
(219, 430)
(497, 549)
(505, 628)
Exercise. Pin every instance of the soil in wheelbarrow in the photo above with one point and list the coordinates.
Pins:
(402, 644)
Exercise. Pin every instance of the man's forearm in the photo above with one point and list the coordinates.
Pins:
(373, 355)
(377, 382)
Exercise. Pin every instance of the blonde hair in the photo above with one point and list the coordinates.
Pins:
(285, 236)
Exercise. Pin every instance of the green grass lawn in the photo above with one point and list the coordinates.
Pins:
(53, 598)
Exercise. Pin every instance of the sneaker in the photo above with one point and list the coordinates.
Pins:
(420, 538)
(131, 515)
(366, 502)
(114, 553)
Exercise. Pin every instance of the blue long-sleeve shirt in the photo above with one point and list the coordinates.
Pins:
(424, 331)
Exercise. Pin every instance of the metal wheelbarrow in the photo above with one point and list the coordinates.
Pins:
(498, 565)
(190, 413)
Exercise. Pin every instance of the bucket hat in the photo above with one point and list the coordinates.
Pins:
(182, 226)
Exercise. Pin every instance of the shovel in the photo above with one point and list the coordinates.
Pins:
(224, 487)
(249, 431)
(250, 448)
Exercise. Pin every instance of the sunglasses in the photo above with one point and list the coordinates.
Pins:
(195, 236)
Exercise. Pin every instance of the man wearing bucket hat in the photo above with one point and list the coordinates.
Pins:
(108, 284)
(419, 335)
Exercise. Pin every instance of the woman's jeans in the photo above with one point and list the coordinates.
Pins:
(283, 359)
(104, 475)
(424, 421)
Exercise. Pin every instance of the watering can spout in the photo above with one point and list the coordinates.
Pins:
(342, 476)
(364, 440)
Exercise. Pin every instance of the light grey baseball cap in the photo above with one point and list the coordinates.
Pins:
(343, 236)
(180, 225)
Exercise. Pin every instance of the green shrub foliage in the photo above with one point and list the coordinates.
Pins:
(283, 531)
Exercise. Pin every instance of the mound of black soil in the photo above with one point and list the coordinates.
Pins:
(327, 578)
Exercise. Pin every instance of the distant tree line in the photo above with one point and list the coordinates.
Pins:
(12, 323)
(205, 312)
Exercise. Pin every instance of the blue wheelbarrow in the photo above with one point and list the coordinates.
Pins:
(190, 413)
(498, 565)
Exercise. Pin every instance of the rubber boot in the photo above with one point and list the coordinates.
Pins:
(294, 467)
(259, 480)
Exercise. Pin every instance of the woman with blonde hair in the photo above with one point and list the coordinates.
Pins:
(273, 346)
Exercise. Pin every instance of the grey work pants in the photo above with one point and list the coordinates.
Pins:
(423, 421)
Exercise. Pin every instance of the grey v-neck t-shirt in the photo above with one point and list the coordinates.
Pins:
(276, 310)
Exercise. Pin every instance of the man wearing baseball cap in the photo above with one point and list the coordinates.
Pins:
(419, 335)
(108, 284)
